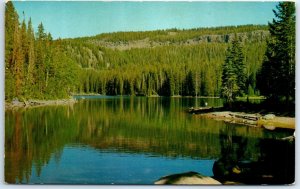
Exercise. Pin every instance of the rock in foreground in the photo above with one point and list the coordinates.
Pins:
(187, 179)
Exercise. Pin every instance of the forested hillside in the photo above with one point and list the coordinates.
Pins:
(164, 62)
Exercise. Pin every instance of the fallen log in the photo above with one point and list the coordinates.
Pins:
(201, 110)
(246, 116)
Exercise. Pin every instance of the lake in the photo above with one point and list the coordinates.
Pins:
(137, 140)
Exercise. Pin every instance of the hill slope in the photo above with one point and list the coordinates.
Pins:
(163, 62)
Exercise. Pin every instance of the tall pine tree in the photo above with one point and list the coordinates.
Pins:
(276, 79)
(11, 25)
(233, 75)
(31, 61)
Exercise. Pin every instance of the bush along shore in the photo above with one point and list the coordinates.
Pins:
(16, 103)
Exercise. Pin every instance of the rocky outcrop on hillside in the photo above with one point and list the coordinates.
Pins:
(246, 37)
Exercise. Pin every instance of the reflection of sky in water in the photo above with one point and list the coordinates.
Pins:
(87, 165)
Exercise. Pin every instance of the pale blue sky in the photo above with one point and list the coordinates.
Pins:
(76, 19)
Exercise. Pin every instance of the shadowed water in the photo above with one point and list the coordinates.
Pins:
(125, 140)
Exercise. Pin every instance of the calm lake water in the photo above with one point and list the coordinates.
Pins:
(136, 140)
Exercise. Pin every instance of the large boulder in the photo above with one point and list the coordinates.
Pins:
(187, 179)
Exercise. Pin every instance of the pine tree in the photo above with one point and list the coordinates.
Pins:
(189, 88)
(31, 60)
(40, 58)
(229, 81)
(41, 35)
(18, 62)
(11, 25)
(239, 66)
(233, 75)
(276, 79)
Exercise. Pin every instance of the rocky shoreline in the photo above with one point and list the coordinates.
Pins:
(268, 121)
(16, 104)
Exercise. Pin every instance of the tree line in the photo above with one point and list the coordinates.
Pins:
(175, 35)
(189, 70)
(36, 66)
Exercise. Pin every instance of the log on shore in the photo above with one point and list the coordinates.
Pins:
(246, 116)
(201, 110)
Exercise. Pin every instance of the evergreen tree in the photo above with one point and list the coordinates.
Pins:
(189, 87)
(41, 35)
(277, 76)
(36, 68)
(239, 66)
(18, 62)
(233, 75)
(31, 60)
(40, 58)
(167, 88)
(11, 25)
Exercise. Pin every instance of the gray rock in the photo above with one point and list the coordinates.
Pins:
(271, 128)
(15, 101)
(187, 178)
(269, 117)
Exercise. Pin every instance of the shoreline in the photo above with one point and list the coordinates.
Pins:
(31, 103)
(268, 121)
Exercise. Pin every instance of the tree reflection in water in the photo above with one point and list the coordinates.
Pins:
(275, 165)
(154, 127)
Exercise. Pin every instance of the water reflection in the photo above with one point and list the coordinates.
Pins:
(274, 164)
(233, 150)
(37, 140)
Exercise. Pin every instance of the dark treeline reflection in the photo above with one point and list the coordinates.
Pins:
(151, 126)
(274, 164)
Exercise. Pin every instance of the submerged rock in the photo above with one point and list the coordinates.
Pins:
(187, 178)
(269, 127)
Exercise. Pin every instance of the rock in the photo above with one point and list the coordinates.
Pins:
(228, 116)
(269, 117)
(187, 178)
(15, 101)
(271, 128)
(289, 138)
(232, 183)
(236, 170)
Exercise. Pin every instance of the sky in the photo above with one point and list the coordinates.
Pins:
(77, 19)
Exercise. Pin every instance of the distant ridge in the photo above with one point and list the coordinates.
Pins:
(149, 39)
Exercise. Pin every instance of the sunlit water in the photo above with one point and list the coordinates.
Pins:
(125, 140)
